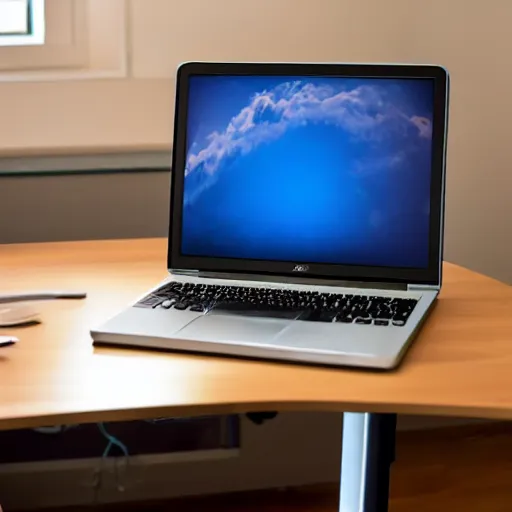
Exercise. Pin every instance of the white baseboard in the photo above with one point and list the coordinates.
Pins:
(111, 463)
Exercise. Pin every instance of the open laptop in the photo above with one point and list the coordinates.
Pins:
(306, 214)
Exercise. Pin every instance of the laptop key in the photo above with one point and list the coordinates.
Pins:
(401, 316)
(358, 312)
(181, 306)
(365, 321)
(345, 319)
(318, 315)
(381, 322)
(197, 308)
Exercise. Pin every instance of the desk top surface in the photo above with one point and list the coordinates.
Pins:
(460, 364)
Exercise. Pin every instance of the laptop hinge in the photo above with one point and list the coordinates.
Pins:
(184, 272)
(286, 280)
(423, 287)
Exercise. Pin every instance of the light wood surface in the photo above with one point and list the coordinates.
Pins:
(460, 364)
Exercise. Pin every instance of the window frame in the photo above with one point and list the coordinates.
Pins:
(84, 39)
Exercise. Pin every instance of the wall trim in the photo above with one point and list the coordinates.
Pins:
(136, 161)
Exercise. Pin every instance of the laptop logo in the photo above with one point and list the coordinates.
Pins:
(301, 268)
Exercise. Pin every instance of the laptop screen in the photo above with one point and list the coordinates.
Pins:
(333, 170)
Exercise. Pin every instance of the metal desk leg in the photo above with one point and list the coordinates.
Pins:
(367, 453)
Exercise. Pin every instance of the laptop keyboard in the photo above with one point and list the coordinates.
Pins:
(309, 305)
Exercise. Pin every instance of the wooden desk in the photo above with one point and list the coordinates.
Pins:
(460, 365)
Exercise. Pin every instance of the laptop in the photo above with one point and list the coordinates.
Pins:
(306, 214)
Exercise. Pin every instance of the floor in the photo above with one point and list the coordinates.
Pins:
(465, 468)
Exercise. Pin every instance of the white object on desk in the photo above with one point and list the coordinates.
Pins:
(17, 314)
(41, 295)
(4, 342)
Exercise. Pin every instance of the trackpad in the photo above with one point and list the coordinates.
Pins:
(226, 328)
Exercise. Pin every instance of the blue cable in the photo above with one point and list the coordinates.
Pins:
(112, 441)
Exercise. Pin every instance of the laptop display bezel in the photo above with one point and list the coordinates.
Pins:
(431, 275)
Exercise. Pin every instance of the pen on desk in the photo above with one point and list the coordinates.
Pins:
(41, 295)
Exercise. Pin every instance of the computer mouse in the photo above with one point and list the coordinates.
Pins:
(18, 314)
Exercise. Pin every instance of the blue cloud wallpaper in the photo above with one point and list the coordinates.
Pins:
(319, 170)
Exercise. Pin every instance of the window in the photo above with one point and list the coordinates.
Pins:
(62, 39)
(22, 22)
(76, 91)
(55, 35)
(55, 38)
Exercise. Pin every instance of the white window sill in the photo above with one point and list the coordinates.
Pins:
(80, 164)
(68, 75)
